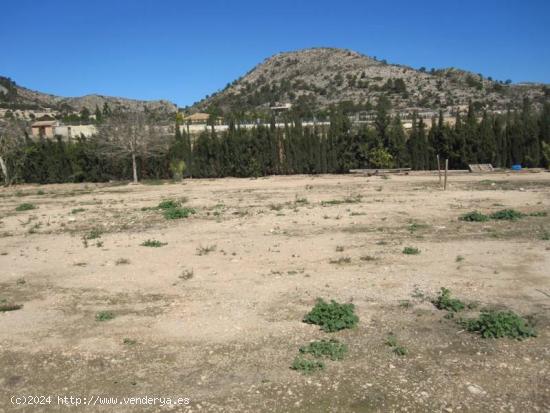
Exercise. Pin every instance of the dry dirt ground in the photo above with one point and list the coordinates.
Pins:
(215, 315)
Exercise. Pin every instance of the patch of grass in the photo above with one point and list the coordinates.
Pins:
(10, 307)
(332, 316)
(331, 349)
(177, 213)
(122, 261)
(301, 201)
(26, 206)
(153, 243)
(538, 214)
(340, 260)
(396, 347)
(367, 258)
(307, 366)
(507, 215)
(497, 324)
(459, 258)
(545, 235)
(104, 316)
(129, 342)
(77, 210)
(205, 250)
(474, 216)
(339, 248)
(411, 251)
(444, 301)
(276, 207)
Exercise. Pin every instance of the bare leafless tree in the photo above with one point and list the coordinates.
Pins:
(131, 134)
(12, 138)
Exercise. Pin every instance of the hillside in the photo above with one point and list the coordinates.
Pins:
(13, 96)
(313, 79)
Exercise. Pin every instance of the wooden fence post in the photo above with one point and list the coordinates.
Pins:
(446, 169)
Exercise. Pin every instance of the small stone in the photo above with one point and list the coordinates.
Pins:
(475, 389)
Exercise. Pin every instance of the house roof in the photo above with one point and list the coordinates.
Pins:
(44, 123)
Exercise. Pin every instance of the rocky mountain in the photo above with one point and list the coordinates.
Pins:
(13, 96)
(313, 79)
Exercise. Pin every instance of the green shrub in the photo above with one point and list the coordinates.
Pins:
(177, 213)
(77, 210)
(538, 214)
(507, 214)
(169, 204)
(474, 216)
(25, 207)
(444, 301)
(307, 366)
(104, 316)
(332, 349)
(497, 324)
(332, 316)
(411, 251)
(153, 243)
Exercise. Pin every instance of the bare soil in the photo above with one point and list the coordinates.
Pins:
(222, 327)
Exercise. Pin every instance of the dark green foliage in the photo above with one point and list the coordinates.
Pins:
(332, 316)
(411, 251)
(177, 213)
(497, 324)
(169, 204)
(520, 136)
(507, 214)
(538, 214)
(332, 349)
(104, 316)
(444, 301)
(153, 243)
(25, 207)
(474, 216)
(77, 210)
(307, 366)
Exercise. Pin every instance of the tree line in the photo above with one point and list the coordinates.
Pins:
(130, 147)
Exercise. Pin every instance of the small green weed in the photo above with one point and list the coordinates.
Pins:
(177, 213)
(25, 207)
(538, 214)
(507, 214)
(129, 342)
(332, 316)
(153, 243)
(444, 301)
(332, 349)
(77, 210)
(307, 366)
(474, 216)
(411, 251)
(396, 347)
(169, 204)
(497, 324)
(104, 316)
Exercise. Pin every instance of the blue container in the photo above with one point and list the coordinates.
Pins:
(516, 167)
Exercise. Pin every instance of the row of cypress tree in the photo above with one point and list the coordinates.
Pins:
(501, 139)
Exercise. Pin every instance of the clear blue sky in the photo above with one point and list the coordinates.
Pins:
(181, 50)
